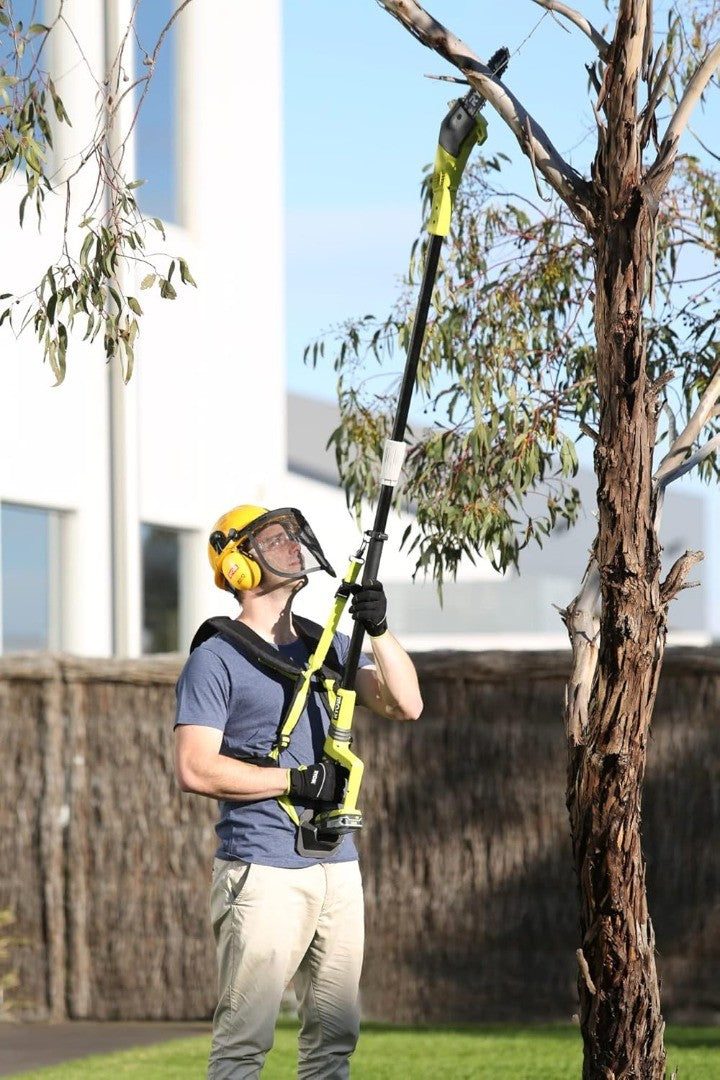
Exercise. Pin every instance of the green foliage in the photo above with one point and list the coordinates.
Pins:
(110, 240)
(26, 95)
(507, 378)
(506, 366)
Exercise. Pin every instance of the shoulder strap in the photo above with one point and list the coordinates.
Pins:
(258, 649)
(251, 643)
(311, 632)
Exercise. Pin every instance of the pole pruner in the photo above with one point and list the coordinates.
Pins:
(320, 831)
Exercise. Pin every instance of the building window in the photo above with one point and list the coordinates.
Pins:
(156, 133)
(161, 554)
(31, 567)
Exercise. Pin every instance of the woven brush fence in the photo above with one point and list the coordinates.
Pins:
(470, 895)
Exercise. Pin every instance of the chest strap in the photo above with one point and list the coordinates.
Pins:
(323, 668)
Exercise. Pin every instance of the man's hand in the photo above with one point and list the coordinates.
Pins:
(369, 607)
(323, 782)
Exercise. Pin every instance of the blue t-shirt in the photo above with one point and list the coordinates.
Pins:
(222, 688)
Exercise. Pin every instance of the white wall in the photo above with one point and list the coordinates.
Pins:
(202, 425)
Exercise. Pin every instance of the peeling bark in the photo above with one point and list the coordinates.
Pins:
(676, 579)
(583, 626)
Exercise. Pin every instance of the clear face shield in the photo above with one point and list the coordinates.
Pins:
(283, 543)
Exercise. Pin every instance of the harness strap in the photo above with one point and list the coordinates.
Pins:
(258, 649)
(323, 665)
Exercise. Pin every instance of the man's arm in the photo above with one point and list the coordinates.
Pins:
(389, 687)
(201, 768)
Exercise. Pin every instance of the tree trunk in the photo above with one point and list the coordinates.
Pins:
(619, 997)
(620, 1015)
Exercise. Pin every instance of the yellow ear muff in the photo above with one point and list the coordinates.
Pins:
(240, 571)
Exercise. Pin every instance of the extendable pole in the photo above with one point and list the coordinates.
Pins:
(394, 454)
(462, 127)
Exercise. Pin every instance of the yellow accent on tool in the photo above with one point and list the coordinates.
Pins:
(462, 129)
(446, 176)
(297, 704)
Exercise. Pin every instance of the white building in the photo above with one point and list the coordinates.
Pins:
(100, 482)
(109, 491)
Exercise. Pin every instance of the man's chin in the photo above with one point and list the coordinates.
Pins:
(292, 585)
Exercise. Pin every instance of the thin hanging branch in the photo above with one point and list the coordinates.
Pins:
(580, 21)
(114, 231)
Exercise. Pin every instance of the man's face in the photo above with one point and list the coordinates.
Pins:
(280, 549)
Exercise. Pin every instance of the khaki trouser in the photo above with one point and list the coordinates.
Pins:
(272, 926)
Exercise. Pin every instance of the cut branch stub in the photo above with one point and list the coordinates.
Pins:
(675, 580)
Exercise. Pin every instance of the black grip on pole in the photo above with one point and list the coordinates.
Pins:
(353, 657)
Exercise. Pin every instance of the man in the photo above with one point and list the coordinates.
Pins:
(278, 915)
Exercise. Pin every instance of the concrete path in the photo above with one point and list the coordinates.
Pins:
(25, 1046)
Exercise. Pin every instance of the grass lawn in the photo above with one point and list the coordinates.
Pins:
(385, 1053)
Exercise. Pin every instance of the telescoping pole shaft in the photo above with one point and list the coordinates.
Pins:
(395, 449)
(462, 127)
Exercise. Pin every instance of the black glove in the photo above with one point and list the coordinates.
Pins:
(369, 606)
(323, 782)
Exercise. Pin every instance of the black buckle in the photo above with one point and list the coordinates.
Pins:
(312, 842)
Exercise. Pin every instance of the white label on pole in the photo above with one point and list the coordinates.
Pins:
(392, 462)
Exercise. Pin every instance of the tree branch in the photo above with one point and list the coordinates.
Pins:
(661, 168)
(671, 466)
(580, 21)
(692, 462)
(115, 100)
(589, 431)
(706, 148)
(572, 188)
